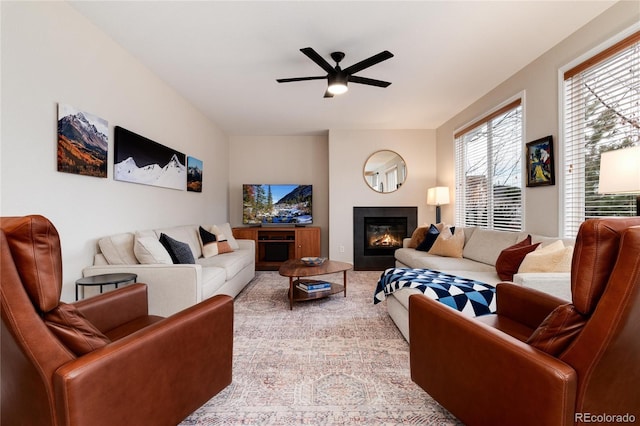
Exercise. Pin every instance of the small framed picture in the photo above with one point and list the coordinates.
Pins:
(540, 161)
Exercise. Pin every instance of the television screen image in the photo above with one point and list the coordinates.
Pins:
(277, 204)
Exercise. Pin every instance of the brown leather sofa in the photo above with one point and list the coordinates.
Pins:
(103, 360)
(538, 360)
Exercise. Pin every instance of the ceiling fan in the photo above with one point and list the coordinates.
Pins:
(337, 77)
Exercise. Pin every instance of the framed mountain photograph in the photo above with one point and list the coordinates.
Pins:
(194, 174)
(82, 142)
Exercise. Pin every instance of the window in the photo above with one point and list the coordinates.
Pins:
(602, 113)
(489, 171)
(392, 178)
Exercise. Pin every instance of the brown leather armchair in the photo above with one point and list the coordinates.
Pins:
(540, 360)
(103, 360)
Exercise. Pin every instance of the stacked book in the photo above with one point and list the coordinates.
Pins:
(314, 286)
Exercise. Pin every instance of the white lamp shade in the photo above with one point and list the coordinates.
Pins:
(438, 196)
(620, 171)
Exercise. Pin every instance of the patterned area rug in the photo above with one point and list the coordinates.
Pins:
(326, 362)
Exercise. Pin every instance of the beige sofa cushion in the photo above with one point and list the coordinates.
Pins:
(231, 263)
(212, 280)
(185, 234)
(420, 259)
(118, 249)
(485, 245)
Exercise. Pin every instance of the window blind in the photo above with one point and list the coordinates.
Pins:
(488, 157)
(602, 113)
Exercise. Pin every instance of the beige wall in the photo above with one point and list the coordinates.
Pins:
(540, 83)
(51, 54)
(348, 151)
(281, 159)
(334, 166)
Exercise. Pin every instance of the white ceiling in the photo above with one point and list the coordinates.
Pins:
(225, 56)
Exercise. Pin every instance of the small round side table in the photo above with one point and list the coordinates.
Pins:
(105, 279)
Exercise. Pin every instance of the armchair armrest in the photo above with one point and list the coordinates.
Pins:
(525, 305)
(157, 375)
(461, 363)
(110, 310)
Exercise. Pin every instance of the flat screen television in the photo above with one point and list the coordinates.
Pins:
(268, 204)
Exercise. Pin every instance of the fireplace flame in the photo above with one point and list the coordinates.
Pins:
(385, 241)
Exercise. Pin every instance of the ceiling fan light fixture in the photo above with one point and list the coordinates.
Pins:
(336, 76)
(338, 88)
(337, 84)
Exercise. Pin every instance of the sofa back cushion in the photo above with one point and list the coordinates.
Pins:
(485, 245)
(118, 249)
(468, 232)
(186, 234)
(545, 241)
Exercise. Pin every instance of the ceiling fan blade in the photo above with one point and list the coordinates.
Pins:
(369, 81)
(382, 56)
(315, 57)
(328, 94)
(289, 80)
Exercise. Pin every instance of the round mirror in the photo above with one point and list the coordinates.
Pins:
(385, 171)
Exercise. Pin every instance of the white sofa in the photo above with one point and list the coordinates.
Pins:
(481, 250)
(174, 287)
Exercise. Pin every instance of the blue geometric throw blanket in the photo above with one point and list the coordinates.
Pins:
(468, 296)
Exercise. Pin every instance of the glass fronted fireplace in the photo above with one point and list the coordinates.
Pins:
(378, 232)
(383, 235)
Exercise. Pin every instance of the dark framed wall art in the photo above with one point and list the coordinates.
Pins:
(141, 160)
(194, 174)
(540, 160)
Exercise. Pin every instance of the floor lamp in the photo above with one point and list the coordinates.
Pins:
(620, 173)
(438, 196)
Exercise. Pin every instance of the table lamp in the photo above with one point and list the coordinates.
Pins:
(438, 196)
(620, 173)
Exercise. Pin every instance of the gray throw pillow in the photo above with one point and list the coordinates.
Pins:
(180, 252)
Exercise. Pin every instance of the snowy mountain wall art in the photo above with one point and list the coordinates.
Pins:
(141, 160)
(82, 142)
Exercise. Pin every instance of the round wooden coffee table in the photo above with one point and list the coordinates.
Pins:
(294, 268)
